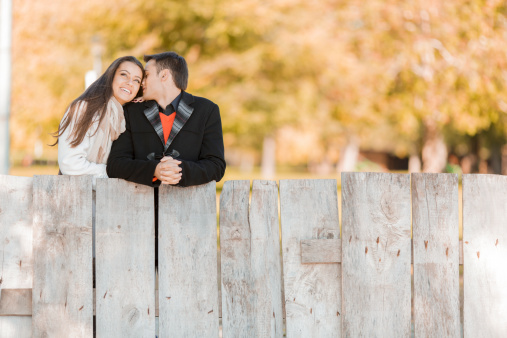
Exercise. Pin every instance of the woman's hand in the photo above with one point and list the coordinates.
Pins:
(138, 99)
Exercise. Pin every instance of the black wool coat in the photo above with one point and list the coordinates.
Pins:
(196, 135)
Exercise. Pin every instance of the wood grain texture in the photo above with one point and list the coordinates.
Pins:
(16, 302)
(485, 255)
(187, 258)
(15, 247)
(321, 251)
(125, 259)
(62, 248)
(330, 251)
(16, 232)
(16, 327)
(250, 260)
(309, 210)
(376, 254)
(435, 222)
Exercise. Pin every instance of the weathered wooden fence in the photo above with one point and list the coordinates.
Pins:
(323, 285)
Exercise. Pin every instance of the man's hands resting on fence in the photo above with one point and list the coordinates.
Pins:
(168, 171)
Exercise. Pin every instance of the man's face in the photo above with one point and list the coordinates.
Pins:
(152, 85)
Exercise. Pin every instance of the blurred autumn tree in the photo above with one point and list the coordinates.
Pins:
(414, 78)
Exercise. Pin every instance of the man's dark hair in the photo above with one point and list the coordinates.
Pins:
(175, 63)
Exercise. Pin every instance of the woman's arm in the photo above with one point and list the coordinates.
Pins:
(72, 160)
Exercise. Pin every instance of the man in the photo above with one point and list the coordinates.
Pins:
(172, 137)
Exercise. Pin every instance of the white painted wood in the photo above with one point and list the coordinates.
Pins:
(16, 232)
(376, 254)
(187, 258)
(435, 224)
(485, 255)
(250, 260)
(321, 251)
(62, 248)
(330, 251)
(309, 210)
(16, 327)
(16, 246)
(125, 259)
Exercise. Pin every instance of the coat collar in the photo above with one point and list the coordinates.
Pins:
(183, 113)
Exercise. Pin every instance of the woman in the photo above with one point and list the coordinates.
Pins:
(95, 119)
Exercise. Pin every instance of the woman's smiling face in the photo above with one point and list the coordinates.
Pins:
(126, 82)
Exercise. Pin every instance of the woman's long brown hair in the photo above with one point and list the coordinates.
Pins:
(96, 97)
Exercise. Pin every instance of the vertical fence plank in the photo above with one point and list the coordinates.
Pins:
(15, 327)
(62, 255)
(125, 259)
(435, 218)
(16, 247)
(309, 210)
(376, 254)
(484, 255)
(187, 246)
(250, 260)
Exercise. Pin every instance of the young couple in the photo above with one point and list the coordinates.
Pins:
(172, 137)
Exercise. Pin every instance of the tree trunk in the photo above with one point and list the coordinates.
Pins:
(5, 84)
(434, 151)
(496, 159)
(414, 164)
(268, 165)
(349, 156)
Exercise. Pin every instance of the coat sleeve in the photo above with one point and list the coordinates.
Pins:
(122, 163)
(210, 165)
(73, 160)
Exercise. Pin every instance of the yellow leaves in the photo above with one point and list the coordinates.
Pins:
(373, 67)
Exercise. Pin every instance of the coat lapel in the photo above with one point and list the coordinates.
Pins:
(183, 113)
(152, 114)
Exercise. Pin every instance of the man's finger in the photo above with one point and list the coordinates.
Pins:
(169, 166)
(170, 159)
(171, 181)
(172, 169)
(166, 176)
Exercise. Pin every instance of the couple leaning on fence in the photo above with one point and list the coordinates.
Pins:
(170, 137)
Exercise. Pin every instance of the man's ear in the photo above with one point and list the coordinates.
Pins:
(165, 74)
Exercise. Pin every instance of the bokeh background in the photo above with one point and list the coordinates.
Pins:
(306, 88)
